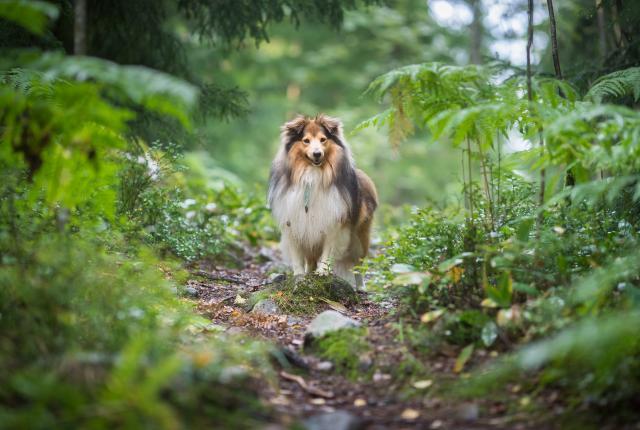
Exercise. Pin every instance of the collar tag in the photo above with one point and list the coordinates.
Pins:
(307, 196)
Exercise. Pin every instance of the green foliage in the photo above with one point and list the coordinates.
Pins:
(93, 333)
(346, 349)
(231, 21)
(557, 280)
(32, 15)
(616, 85)
(105, 341)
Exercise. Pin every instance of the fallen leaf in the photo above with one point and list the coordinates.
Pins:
(488, 303)
(462, 359)
(409, 414)
(432, 315)
(335, 305)
(436, 424)
(421, 385)
(318, 401)
(456, 274)
(239, 300)
(559, 229)
(359, 403)
(410, 278)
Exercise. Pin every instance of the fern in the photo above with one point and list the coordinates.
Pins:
(616, 85)
(153, 90)
(33, 15)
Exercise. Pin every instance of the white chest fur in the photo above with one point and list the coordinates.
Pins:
(325, 209)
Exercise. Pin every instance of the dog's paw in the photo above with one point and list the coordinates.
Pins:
(323, 270)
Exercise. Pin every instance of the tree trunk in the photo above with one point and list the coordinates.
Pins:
(529, 45)
(554, 40)
(602, 31)
(80, 27)
(539, 218)
(570, 179)
(475, 33)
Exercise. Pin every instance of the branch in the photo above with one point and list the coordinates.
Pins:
(554, 40)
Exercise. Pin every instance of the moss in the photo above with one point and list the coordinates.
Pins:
(307, 295)
(256, 297)
(347, 349)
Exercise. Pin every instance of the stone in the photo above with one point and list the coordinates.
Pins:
(266, 306)
(468, 412)
(324, 366)
(337, 420)
(190, 292)
(275, 278)
(293, 320)
(327, 322)
(365, 362)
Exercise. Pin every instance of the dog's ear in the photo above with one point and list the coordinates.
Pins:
(295, 127)
(332, 125)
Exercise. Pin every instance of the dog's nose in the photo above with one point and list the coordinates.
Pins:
(317, 154)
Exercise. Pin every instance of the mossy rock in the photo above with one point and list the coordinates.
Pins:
(305, 295)
(348, 349)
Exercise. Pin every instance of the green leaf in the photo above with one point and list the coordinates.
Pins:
(32, 15)
(489, 333)
(462, 359)
(502, 293)
(524, 229)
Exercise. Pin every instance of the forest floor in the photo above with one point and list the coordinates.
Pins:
(312, 392)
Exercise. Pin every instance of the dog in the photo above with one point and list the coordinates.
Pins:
(323, 205)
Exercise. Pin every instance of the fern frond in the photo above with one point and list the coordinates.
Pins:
(616, 85)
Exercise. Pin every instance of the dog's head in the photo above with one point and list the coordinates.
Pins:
(313, 140)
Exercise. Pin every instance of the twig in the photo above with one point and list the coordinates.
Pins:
(213, 277)
(306, 387)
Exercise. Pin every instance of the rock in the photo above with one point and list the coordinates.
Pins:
(365, 362)
(275, 278)
(327, 322)
(191, 292)
(293, 320)
(468, 412)
(266, 306)
(324, 366)
(338, 420)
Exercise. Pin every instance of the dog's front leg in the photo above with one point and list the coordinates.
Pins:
(335, 245)
(293, 253)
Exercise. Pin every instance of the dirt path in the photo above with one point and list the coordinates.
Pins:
(384, 399)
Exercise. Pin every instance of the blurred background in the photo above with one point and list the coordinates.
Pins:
(253, 77)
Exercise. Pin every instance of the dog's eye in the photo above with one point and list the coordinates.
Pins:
(323, 139)
(306, 141)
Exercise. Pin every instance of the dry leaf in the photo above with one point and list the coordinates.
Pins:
(432, 315)
(335, 305)
(456, 274)
(410, 414)
(488, 303)
(239, 300)
(421, 385)
(359, 403)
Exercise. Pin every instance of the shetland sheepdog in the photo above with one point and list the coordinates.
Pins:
(322, 203)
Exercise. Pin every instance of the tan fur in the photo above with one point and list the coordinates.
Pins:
(332, 226)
